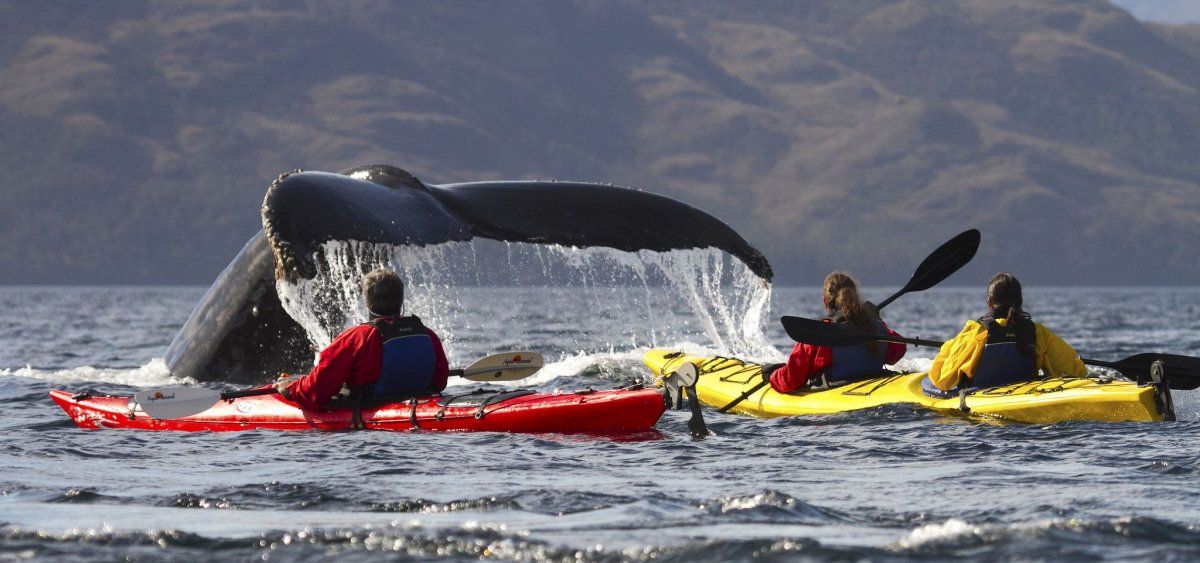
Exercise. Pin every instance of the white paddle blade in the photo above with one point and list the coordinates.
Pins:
(686, 375)
(508, 366)
(176, 402)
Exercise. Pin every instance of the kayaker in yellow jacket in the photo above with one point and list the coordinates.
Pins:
(1004, 346)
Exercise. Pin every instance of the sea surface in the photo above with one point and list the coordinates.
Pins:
(895, 483)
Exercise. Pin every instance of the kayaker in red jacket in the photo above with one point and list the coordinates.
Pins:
(808, 363)
(388, 355)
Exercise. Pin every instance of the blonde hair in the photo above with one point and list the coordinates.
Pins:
(841, 294)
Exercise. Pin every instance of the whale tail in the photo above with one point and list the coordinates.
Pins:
(240, 330)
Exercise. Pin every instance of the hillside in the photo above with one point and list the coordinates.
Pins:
(137, 138)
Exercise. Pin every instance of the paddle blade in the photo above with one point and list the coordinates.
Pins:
(686, 374)
(176, 402)
(821, 333)
(1182, 372)
(507, 366)
(946, 260)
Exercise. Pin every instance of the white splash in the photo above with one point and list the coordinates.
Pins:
(152, 374)
(913, 365)
(604, 300)
(949, 530)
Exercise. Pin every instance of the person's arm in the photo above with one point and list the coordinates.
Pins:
(441, 367)
(958, 357)
(804, 360)
(338, 364)
(1055, 357)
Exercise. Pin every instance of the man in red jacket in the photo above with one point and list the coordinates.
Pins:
(389, 355)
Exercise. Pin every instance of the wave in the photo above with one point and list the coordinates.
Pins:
(153, 373)
(1065, 537)
(1130, 538)
(772, 506)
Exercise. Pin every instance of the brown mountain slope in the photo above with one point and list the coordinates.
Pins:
(136, 140)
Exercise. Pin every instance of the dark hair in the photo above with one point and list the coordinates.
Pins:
(384, 292)
(1004, 294)
(841, 294)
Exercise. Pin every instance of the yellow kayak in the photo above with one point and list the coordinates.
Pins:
(722, 380)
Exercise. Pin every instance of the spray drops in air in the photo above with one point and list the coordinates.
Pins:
(701, 297)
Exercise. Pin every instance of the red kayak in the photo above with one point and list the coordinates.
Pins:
(621, 410)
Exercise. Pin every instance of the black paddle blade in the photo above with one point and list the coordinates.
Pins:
(940, 264)
(695, 424)
(821, 333)
(1182, 372)
(946, 260)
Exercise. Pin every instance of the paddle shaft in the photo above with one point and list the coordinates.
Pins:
(258, 391)
(247, 393)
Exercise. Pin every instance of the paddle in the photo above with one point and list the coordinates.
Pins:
(821, 333)
(506, 366)
(947, 259)
(939, 265)
(179, 402)
(683, 381)
(1182, 372)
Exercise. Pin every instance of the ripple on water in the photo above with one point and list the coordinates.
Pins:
(1055, 538)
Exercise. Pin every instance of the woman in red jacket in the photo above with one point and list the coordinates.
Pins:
(821, 365)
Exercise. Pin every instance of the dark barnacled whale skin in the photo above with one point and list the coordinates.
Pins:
(239, 331)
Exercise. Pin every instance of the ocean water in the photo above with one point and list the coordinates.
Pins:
(892, 483)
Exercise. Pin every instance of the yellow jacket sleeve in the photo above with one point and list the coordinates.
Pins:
(958, 356)
(1055, 357)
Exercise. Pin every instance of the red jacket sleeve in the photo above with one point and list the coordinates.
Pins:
(355, 357)
(804, 361)
(441, 367)
(895, 350)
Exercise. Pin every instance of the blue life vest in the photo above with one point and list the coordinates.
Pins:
(408, 357)
(857, 362)
(1010, 354)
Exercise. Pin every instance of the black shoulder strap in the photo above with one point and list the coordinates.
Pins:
(391, 327)
(839, 317)
(1022, 331)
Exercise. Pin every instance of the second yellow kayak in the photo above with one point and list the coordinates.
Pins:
(1043, 401)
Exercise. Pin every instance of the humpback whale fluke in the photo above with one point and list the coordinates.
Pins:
(385, 204)
(240, 332)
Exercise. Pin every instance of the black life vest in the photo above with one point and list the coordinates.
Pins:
(857, 362)
(408, 357)
(1010, 354)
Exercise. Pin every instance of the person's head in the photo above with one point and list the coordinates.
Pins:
(841, 294)
(1004, 293)
(384, 292)
(839, 289)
